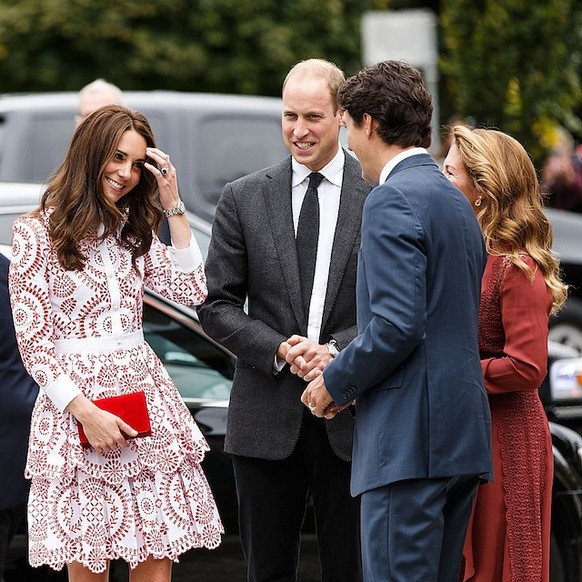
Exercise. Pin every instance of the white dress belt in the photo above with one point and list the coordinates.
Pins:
(99, 345)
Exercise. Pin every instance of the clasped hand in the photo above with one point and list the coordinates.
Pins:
(307, 359)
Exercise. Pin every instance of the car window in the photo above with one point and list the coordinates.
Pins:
(231, 148)
(6, 221)
(199, 368)
(40, 147)
(49, 140)
(202, 238)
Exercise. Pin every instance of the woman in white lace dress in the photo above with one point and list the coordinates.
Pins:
(80, 265)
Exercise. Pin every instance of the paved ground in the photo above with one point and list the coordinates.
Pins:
(225, 564)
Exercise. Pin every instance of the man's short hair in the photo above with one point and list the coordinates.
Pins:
(103, 86)
(392, 93)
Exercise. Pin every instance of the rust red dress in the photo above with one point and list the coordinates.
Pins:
(508, 539)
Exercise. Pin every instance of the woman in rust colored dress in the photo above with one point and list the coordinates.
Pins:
(508, 539)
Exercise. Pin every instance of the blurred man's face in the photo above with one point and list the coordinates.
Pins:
(90, 102)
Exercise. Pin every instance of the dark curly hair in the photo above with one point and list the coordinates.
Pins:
(393, 93)
(75, 193)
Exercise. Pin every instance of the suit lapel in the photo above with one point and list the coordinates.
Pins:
(277, 196)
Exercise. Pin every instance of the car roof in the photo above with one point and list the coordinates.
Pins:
(19, 194)
(136, 99)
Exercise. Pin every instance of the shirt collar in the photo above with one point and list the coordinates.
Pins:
(397, 159)
(333, 172)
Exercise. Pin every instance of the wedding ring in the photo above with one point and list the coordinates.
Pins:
(311, 406)
(164, 171)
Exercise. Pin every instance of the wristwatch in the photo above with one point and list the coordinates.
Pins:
(332, 347)
(180, 209)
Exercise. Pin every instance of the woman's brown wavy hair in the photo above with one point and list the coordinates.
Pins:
(75, 191)
(511, 215)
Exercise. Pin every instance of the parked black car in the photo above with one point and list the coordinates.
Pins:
(566, 538)
(561, 390)
(566, 327)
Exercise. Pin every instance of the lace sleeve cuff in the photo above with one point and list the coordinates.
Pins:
(61, 392)
(187, 260)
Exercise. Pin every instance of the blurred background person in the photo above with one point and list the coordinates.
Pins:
(94, 95)
(509, 534)
(18, 392)
(561, 174)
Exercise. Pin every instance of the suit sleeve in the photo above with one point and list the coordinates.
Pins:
(525, 306)
(222, 315)
(393, 264)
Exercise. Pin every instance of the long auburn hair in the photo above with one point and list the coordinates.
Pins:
(76, 197)
(511, 215)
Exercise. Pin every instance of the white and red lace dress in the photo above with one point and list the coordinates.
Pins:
(81, 331)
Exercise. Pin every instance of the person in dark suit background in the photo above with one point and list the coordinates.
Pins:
(422, 435)
(18, 393)
(281, 453)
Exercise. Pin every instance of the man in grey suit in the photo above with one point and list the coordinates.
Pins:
(422, 436)
(295, 324)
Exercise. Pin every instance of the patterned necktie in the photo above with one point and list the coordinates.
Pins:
(307, 236)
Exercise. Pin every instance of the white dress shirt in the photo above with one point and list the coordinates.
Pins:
(329, 199)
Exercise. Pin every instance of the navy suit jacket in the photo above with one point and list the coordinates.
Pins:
(414, 369)
(18, 392)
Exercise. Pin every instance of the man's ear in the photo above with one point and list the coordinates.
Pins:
(369, 124)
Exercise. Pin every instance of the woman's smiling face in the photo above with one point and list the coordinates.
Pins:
(123, 171)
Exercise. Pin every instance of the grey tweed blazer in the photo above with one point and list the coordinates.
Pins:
(252, 255)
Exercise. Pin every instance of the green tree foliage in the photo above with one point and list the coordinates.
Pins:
(514, 64)
(233, 46)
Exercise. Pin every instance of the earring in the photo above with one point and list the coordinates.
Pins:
(478, 201)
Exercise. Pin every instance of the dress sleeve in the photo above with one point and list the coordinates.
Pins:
(177, 274)
(525, 307)
(32, 311)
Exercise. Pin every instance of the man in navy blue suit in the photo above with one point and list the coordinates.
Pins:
(422, 434)
(18, 392)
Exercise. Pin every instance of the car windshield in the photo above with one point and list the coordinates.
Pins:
(199, 368)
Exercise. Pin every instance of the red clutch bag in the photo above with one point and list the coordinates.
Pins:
(131, 408)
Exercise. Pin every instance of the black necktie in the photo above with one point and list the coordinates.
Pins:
(307, 236)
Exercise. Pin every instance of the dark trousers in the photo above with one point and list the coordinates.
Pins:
(272, 503)
(10, 519)
(415, 529)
